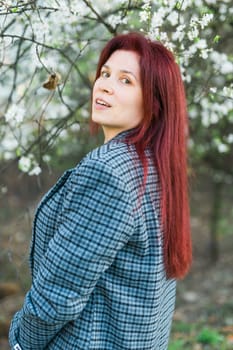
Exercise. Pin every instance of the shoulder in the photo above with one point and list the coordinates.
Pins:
(102, 170)
(114, 157)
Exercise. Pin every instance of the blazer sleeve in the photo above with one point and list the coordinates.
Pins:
(96, 222)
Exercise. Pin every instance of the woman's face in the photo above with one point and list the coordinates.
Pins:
(117, 102)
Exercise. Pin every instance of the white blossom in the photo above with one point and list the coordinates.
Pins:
(15, 114)
(187, 78)
(204, 54)
(75, 127)
(46, 158)
(222, 147)
(230, 138)
(63, 134)
(163, 37)
(144, 15)
(179, 34)
(193, 33)
(186, 3)
(213, 89)
(197, 3)
(227, 67)
(194, 21)
(173, 18)
(4, 189)
(35, 171)
(9, 143)
(154, 34)
(158, 18)
(41, 31)
(201, 44)
(170, 3)
(115, 20)
(228, 91)
(206, 19)
(7, 155)
(85, 113)
(28, 164)
(7, 3)
(193, 113)
(221, 62)
(223, 9)
(107, 5)
(25, 164)
(211, 2)
(192, 49)
(78, 8)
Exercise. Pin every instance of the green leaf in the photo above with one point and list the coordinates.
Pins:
(18, 152)
(212, 97)
(216, 39)
(14, 9)
(178, 5)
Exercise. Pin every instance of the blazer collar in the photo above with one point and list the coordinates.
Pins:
(123, 135)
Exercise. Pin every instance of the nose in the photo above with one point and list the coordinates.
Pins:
(106, 88)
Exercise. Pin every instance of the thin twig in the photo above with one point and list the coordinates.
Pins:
(100, 18)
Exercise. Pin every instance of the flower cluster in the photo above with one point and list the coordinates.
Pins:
(15, 115)
(29, 165)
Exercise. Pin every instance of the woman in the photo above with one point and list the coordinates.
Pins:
(112, 236)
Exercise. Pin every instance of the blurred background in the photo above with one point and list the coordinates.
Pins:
(48, 55)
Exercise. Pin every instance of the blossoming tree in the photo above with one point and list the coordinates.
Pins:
(48, 56)
(59, 39)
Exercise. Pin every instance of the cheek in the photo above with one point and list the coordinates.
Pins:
(94, 88)
(139, 108)
(139, 100)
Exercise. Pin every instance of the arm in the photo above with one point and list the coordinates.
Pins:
(95, 223)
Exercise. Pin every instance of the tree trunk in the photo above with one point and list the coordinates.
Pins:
(214, 221)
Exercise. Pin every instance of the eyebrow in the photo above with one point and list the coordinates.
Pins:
(122, 71)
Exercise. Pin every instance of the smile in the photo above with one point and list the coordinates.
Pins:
(102, 102)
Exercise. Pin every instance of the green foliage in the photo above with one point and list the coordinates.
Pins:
(182, 327)
(176, 345)
(210, 336)
(186, 336)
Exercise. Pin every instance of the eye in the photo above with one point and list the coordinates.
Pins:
(126, 81)
(105, 74)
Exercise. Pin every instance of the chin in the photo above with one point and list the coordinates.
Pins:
(95, 119)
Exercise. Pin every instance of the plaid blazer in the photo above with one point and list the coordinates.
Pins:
(98, 279)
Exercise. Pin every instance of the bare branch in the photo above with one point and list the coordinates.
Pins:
(15, 71)
(66, 56)
(100, 18)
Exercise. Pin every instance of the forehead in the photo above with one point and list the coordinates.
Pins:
(124, 60)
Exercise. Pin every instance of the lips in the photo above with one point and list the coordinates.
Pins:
(101, 102)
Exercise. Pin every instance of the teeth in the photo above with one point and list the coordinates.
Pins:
(100, 102)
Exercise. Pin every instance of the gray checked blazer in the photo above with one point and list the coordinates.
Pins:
(98, 279)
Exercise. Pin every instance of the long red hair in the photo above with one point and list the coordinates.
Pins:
(164, 130)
